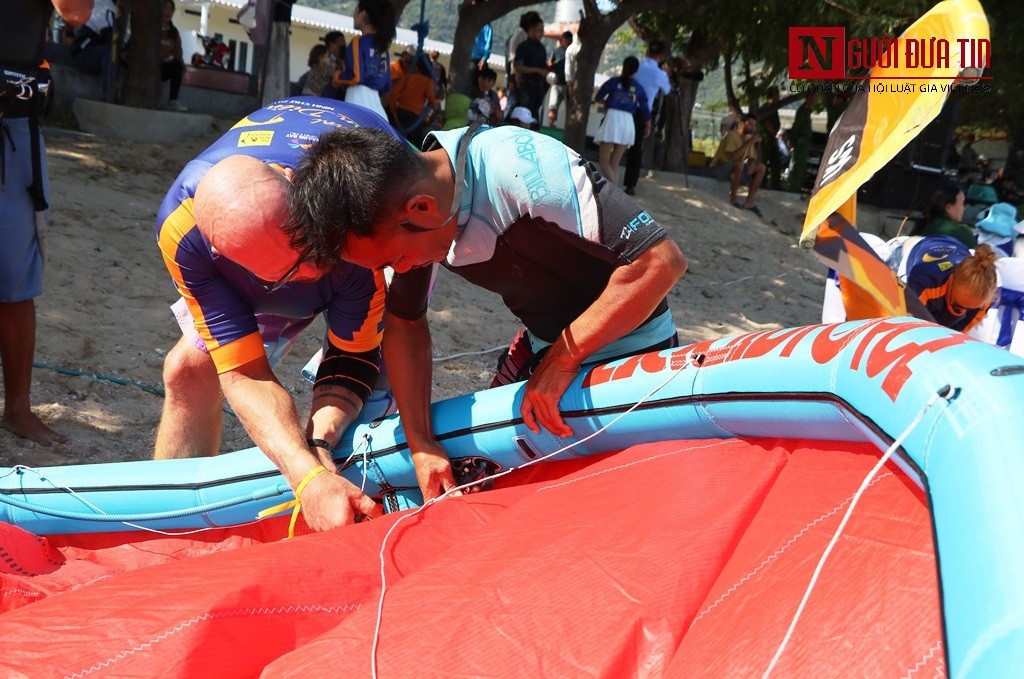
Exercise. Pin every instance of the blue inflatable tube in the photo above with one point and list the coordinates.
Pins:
(858, 381)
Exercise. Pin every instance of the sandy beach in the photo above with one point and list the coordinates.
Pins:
(104, 311)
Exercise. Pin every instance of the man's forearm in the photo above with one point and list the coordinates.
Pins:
(620, 309)
(408, 357)
(333, 410)
(268, 414)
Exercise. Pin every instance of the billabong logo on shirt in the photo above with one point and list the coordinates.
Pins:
(256, 138)
(533, 177)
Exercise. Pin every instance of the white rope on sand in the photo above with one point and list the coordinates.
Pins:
(441, 359)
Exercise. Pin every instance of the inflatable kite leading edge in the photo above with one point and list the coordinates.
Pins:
(853, 384)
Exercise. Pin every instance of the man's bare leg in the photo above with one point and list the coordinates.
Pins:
(756, 177)
(190, 425)
(734, 181)
(17, 347)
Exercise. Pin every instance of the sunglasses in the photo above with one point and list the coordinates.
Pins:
(283, 280)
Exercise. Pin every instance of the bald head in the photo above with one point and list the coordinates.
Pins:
(240, 205)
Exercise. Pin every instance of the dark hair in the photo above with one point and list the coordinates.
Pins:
(943, 197)
(346, 184)
(332, 36)
(422, 65)
(656, 48)
(381, 14)
(567, 35)
(487, 72)
(529, 19)
(630, 65)
(315, 53)
(537, 21)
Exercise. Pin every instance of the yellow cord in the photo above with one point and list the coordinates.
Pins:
(296, 504)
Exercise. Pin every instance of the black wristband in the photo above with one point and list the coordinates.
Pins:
(319, 443)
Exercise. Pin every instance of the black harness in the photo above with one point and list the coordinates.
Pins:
(24, 95)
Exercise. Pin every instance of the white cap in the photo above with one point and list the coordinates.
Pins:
(523, 115)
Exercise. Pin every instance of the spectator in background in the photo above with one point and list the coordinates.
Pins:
(502, 99)
(624, 100)
(770, 126)
(945, 216)
(653, 78)
(737, 153)
(334, 41)
(317, 80)
(172, 63)
(522, 117)
(440, 72)
(91, 51)
(800, 135)
(556, 94)
(485, 80)
(480, 109)
(531, 68)
(366, 74)
(730, 121)
(23, 212)
(481, 51)
(402, 66)
(969, 158)
(412, 101)
(511, 45)
(834, 107)
(572, 52)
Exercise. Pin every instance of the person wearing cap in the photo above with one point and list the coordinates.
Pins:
(246, 294)
(522, 117)
(584, 267)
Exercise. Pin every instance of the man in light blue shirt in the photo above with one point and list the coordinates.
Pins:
(654, 80)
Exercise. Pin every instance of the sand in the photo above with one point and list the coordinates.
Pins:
(104, 309)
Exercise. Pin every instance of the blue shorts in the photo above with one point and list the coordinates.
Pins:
(21, 264)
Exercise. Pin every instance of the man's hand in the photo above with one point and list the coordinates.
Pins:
(433, 470)
(543, 391)
(330, 501)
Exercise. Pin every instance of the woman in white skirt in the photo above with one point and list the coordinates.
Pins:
(622, 97)
(367, 73)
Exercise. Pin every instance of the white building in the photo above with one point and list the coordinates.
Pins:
(309, 25)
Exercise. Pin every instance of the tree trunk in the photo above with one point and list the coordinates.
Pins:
(276, 83)
(472, 18)
(593, 36)
(699, 51)
(142, 80)
(676, 141)
(594, 32)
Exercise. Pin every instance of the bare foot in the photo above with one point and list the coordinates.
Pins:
(28, 425)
